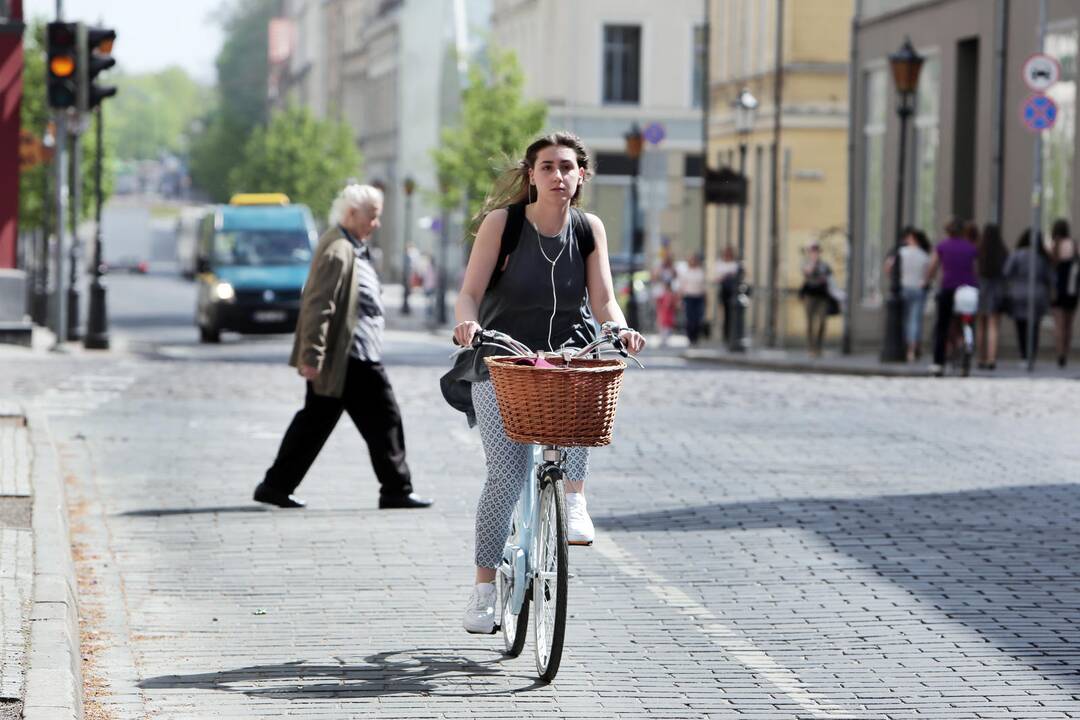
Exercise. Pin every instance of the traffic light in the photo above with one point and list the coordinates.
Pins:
(61, 47)
(95, 55)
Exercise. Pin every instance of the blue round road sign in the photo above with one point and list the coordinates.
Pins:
(654, 133)
(1039, 113)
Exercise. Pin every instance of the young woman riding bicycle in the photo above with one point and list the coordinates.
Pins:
(550, 289)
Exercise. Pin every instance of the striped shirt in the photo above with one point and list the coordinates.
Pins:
(367, 339)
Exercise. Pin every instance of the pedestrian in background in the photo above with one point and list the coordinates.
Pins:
(992, 294)
(727, 279)
(1066, 259)
(1017, 270)
(914, 259)
(955, 257)
(338, 351)
(667, 309)
(692, 291)
(815, 295)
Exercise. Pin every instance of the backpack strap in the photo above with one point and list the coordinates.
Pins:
(583, 232)
(515, 219)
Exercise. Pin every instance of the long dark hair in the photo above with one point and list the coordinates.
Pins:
(1025, 241)
(920, 237)
(992, 251)
(512, 185)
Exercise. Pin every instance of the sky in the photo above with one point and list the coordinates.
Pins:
(150, 34)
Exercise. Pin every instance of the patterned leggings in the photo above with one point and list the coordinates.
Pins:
(507, 469)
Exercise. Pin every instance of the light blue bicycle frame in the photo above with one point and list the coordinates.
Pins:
(518, 558)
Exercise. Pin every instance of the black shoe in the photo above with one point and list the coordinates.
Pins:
(264, 495)
(408, 502)
(1061, 361)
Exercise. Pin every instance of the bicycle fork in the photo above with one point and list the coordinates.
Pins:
(520, 553)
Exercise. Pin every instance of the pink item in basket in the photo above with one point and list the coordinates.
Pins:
(537, 361)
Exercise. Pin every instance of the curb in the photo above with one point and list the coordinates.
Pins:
(804, 366)
(54, 673)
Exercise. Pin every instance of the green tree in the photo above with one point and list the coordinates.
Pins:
(496, 124)
(239, 104)
(154, 112)
(297, 154)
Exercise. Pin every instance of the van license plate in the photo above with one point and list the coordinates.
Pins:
(269, 316)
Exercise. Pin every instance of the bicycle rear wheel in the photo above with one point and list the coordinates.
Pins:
(551, 581)
(514, 627)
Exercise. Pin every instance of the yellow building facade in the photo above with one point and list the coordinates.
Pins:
(798, 187)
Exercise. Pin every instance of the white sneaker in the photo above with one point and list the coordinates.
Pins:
(480, 612)
(579, 527)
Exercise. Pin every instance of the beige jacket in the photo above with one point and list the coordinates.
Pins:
(327, 319)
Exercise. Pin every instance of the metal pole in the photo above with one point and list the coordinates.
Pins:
(893, 348)
(405, 264)
(1036, 216)
(632, 309)
(705, 129)
(847, 341)
(444, 242)
(736, 329)
(97, 321)
(75, 249)
(59, 315)
(773, 306)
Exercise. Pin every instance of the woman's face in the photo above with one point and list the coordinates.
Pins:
(910, 239)
(556, 173)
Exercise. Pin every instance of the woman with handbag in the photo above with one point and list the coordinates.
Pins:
(539, 272)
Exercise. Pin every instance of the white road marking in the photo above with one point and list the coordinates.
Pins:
(737, 646)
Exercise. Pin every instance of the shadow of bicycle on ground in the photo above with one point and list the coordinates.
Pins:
(427, 672)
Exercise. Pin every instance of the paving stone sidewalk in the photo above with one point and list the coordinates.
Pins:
(16, 559)
(770, 546)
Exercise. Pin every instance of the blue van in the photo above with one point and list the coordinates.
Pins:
(252, 259)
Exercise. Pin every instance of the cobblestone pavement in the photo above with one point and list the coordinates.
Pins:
(16, 561)
(770, 546)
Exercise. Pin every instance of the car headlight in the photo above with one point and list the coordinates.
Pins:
(224, 292)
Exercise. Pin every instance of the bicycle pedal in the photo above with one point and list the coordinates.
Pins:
(580, 543)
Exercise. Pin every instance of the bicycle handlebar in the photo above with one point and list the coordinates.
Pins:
(609, 334)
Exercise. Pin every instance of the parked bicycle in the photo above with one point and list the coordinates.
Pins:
(551, 401)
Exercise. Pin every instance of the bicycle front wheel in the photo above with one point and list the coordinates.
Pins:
(514, 626)
(550, 583)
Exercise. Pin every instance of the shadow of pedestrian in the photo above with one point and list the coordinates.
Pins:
(443, 672)
(1001, 562)
(161, 512)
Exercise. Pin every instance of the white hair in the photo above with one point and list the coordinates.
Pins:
(354, 196)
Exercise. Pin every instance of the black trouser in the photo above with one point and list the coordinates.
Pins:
(369, 400)
(694, 307)
(943, 324)
(1022, 336)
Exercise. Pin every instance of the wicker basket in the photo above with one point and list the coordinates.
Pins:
(573, 406)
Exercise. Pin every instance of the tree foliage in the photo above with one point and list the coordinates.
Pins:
(496, 125)
(239, 105)
(297, 154)
(154, 112)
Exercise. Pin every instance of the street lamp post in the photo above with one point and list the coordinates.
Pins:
(444, 244)
(634, 144)
(905, 64)
(409, 186)
(745, 108)
(97, 322)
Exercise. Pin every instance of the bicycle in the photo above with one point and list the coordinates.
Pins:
(534, 561)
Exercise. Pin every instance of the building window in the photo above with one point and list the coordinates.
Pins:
(697, 92)
(923, 206)
(873, 241)
(1059, 143)
(622, 63)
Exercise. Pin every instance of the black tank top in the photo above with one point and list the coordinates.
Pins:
(541, 294)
